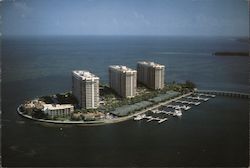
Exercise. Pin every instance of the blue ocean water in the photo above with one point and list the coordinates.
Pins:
(185, 58)
(213, 134)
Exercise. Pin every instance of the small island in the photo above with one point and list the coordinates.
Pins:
(129, 93)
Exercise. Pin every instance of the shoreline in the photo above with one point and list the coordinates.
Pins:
(105, 121)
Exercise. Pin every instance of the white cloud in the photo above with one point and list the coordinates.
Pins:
(21, 5)
(141, 17)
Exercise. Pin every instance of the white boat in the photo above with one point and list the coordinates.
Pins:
(197, 103)
(185, 107)
(177, 107)
(154, 111)
(139, 117)
(148, 117)
(205, 99)
(177, 113)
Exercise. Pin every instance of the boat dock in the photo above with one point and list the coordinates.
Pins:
(188, 102)
(177, 108)
(160, 120)
(175, 113)
(197, 98)
(163, 112)
(150, 118)
(184, 107)
(207, 95)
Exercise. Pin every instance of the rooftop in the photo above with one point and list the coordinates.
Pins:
(84, 74)
(122, 68)
(152, 64)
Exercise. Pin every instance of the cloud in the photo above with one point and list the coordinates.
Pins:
(21, 5)
(141, 17)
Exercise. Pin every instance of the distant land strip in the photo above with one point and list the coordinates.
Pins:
(244, 40)
(181, 53)
(229, 53)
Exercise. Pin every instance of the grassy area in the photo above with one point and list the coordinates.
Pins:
(112, 101)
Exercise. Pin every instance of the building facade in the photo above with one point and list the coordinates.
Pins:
(151, 74)
(123, 80)
(85, 87)
(54, 110)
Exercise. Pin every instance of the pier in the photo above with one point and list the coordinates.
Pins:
(175, 113)
(150, 118)
(184, 107)
(163, 112)
(207, 95)
(224, 93)
(188, 102)
(197, 98)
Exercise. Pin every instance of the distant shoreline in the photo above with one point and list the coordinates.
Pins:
(229, 53)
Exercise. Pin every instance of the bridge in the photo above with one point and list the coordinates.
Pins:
(225, 93)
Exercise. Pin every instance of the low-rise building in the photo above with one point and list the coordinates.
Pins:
(58, 109)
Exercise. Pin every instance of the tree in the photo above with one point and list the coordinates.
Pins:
(37, 113)
(76, 117)
(190, 84)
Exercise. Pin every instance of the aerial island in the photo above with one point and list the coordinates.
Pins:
(129, 92)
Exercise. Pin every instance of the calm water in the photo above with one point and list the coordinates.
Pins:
(212, 134)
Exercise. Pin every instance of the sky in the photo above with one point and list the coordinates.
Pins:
(125, 17)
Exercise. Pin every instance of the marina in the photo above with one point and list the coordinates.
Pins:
(188, 102)
(198, 98)
(208, 95)
(177, 108)
(175, 113)
(150, 118)
(184, 107)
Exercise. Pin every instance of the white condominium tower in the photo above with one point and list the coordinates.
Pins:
(123, 80)
(85, 87)
(151, 74)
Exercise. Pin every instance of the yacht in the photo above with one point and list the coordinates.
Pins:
(177, 113)
(177, 107)
(205, 99)
(139, 117)
(186, 107)
(197, 103)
